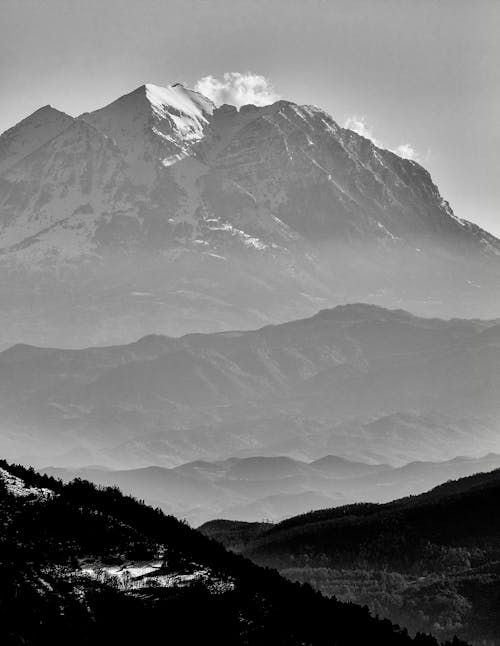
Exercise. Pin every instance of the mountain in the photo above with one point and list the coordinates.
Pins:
(162, 213)
(358, 381)
(273, 488)
(84, 565)
(30, 134)
(427, 560)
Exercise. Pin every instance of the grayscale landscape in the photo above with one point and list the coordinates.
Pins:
(246, 343)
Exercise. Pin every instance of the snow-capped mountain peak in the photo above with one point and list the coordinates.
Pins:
(154, 125)
(178, 98)
(220, 202)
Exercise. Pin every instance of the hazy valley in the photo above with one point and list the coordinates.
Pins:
(271, 489)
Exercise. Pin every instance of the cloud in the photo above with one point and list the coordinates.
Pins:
(238, 89)
(359, 124)
(407, 151)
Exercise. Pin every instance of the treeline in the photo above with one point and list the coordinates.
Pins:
(44, 599)
(430, 562)
(432, 532)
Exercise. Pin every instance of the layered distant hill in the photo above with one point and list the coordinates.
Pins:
(429, 562)
(163, 213)
(357, 381)
(274, 488)
(81, 565)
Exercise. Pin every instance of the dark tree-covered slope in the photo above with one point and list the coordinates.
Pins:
(82, 565)
(430, 561)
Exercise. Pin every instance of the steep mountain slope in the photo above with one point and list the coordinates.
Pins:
(86, 566)
(160, 212)
(274, 488)
(79, 161)
(357, 381)
(153, 125)
(31, 133)
(429, 560)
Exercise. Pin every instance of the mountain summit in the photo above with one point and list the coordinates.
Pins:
(154, 125)
(161, 212)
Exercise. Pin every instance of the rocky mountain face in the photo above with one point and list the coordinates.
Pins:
(32, 133)
(357, 381)
(163, 213)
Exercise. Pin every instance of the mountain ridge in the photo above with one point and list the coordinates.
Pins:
(360, 382)
(173, 217)
(425, 560)
(81, 558)
(251, 489)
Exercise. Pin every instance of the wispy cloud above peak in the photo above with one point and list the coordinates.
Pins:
(238, 89)
(360, 125)
(407, 151)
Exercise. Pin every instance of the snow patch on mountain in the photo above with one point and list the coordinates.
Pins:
(188, 106)
(137, 575)
(154, 124)
(162, 174)
(17, 487)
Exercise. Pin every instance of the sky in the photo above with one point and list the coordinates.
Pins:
(420, 77)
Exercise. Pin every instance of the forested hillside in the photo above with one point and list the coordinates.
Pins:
(430, 562)
(83, 565)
